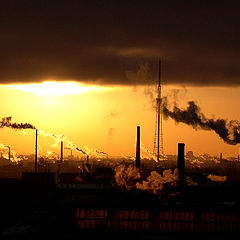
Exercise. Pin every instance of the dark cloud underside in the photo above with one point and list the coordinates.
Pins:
(103, 41)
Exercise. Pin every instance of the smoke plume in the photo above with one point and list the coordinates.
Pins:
(80, 150)
(7, 122)
(111, 132)
(145, 153)
(126, 175)
(229, 131)
(70, 145)
(155, 182)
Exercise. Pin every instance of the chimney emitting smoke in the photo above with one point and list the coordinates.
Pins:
(138, 148)
(61, 153)
(9, 154)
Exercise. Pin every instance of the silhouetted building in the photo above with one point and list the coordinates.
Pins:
(46, 178)
(38, 187)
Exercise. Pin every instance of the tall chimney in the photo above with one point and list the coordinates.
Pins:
(220, 156)
(36, 147)
(238, 154)
(138, 148)
(9, 154)
(61, 154)
(181, 158)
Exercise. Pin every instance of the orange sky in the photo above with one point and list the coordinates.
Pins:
(105, 118)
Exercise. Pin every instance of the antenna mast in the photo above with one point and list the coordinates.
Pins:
(158, 137)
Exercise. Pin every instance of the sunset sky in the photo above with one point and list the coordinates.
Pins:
(88, 70)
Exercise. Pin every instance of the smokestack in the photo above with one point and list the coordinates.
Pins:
(61, 154)
(220, 156)
(181, 158)
(36, 152)
(9, 154)
(138, 148)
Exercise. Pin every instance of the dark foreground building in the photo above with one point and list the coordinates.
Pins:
(35, 206)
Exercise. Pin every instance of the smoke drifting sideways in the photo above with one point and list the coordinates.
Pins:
(4, 153)
(70, 145)
(7, 122)
(228, 131)
(144, 154)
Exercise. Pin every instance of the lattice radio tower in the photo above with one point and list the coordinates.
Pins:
(158, 136)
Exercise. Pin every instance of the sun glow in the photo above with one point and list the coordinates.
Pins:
(53, 88)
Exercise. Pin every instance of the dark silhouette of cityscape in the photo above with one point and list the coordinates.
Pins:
(73, 197)
(76, 66)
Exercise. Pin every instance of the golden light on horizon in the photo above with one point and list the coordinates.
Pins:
(105, 117)
(54, 88)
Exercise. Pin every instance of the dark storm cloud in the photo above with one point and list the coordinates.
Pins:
(103, 41)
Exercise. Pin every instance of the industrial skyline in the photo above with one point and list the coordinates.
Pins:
(116, 120)
(96, 86)
(93, 145)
